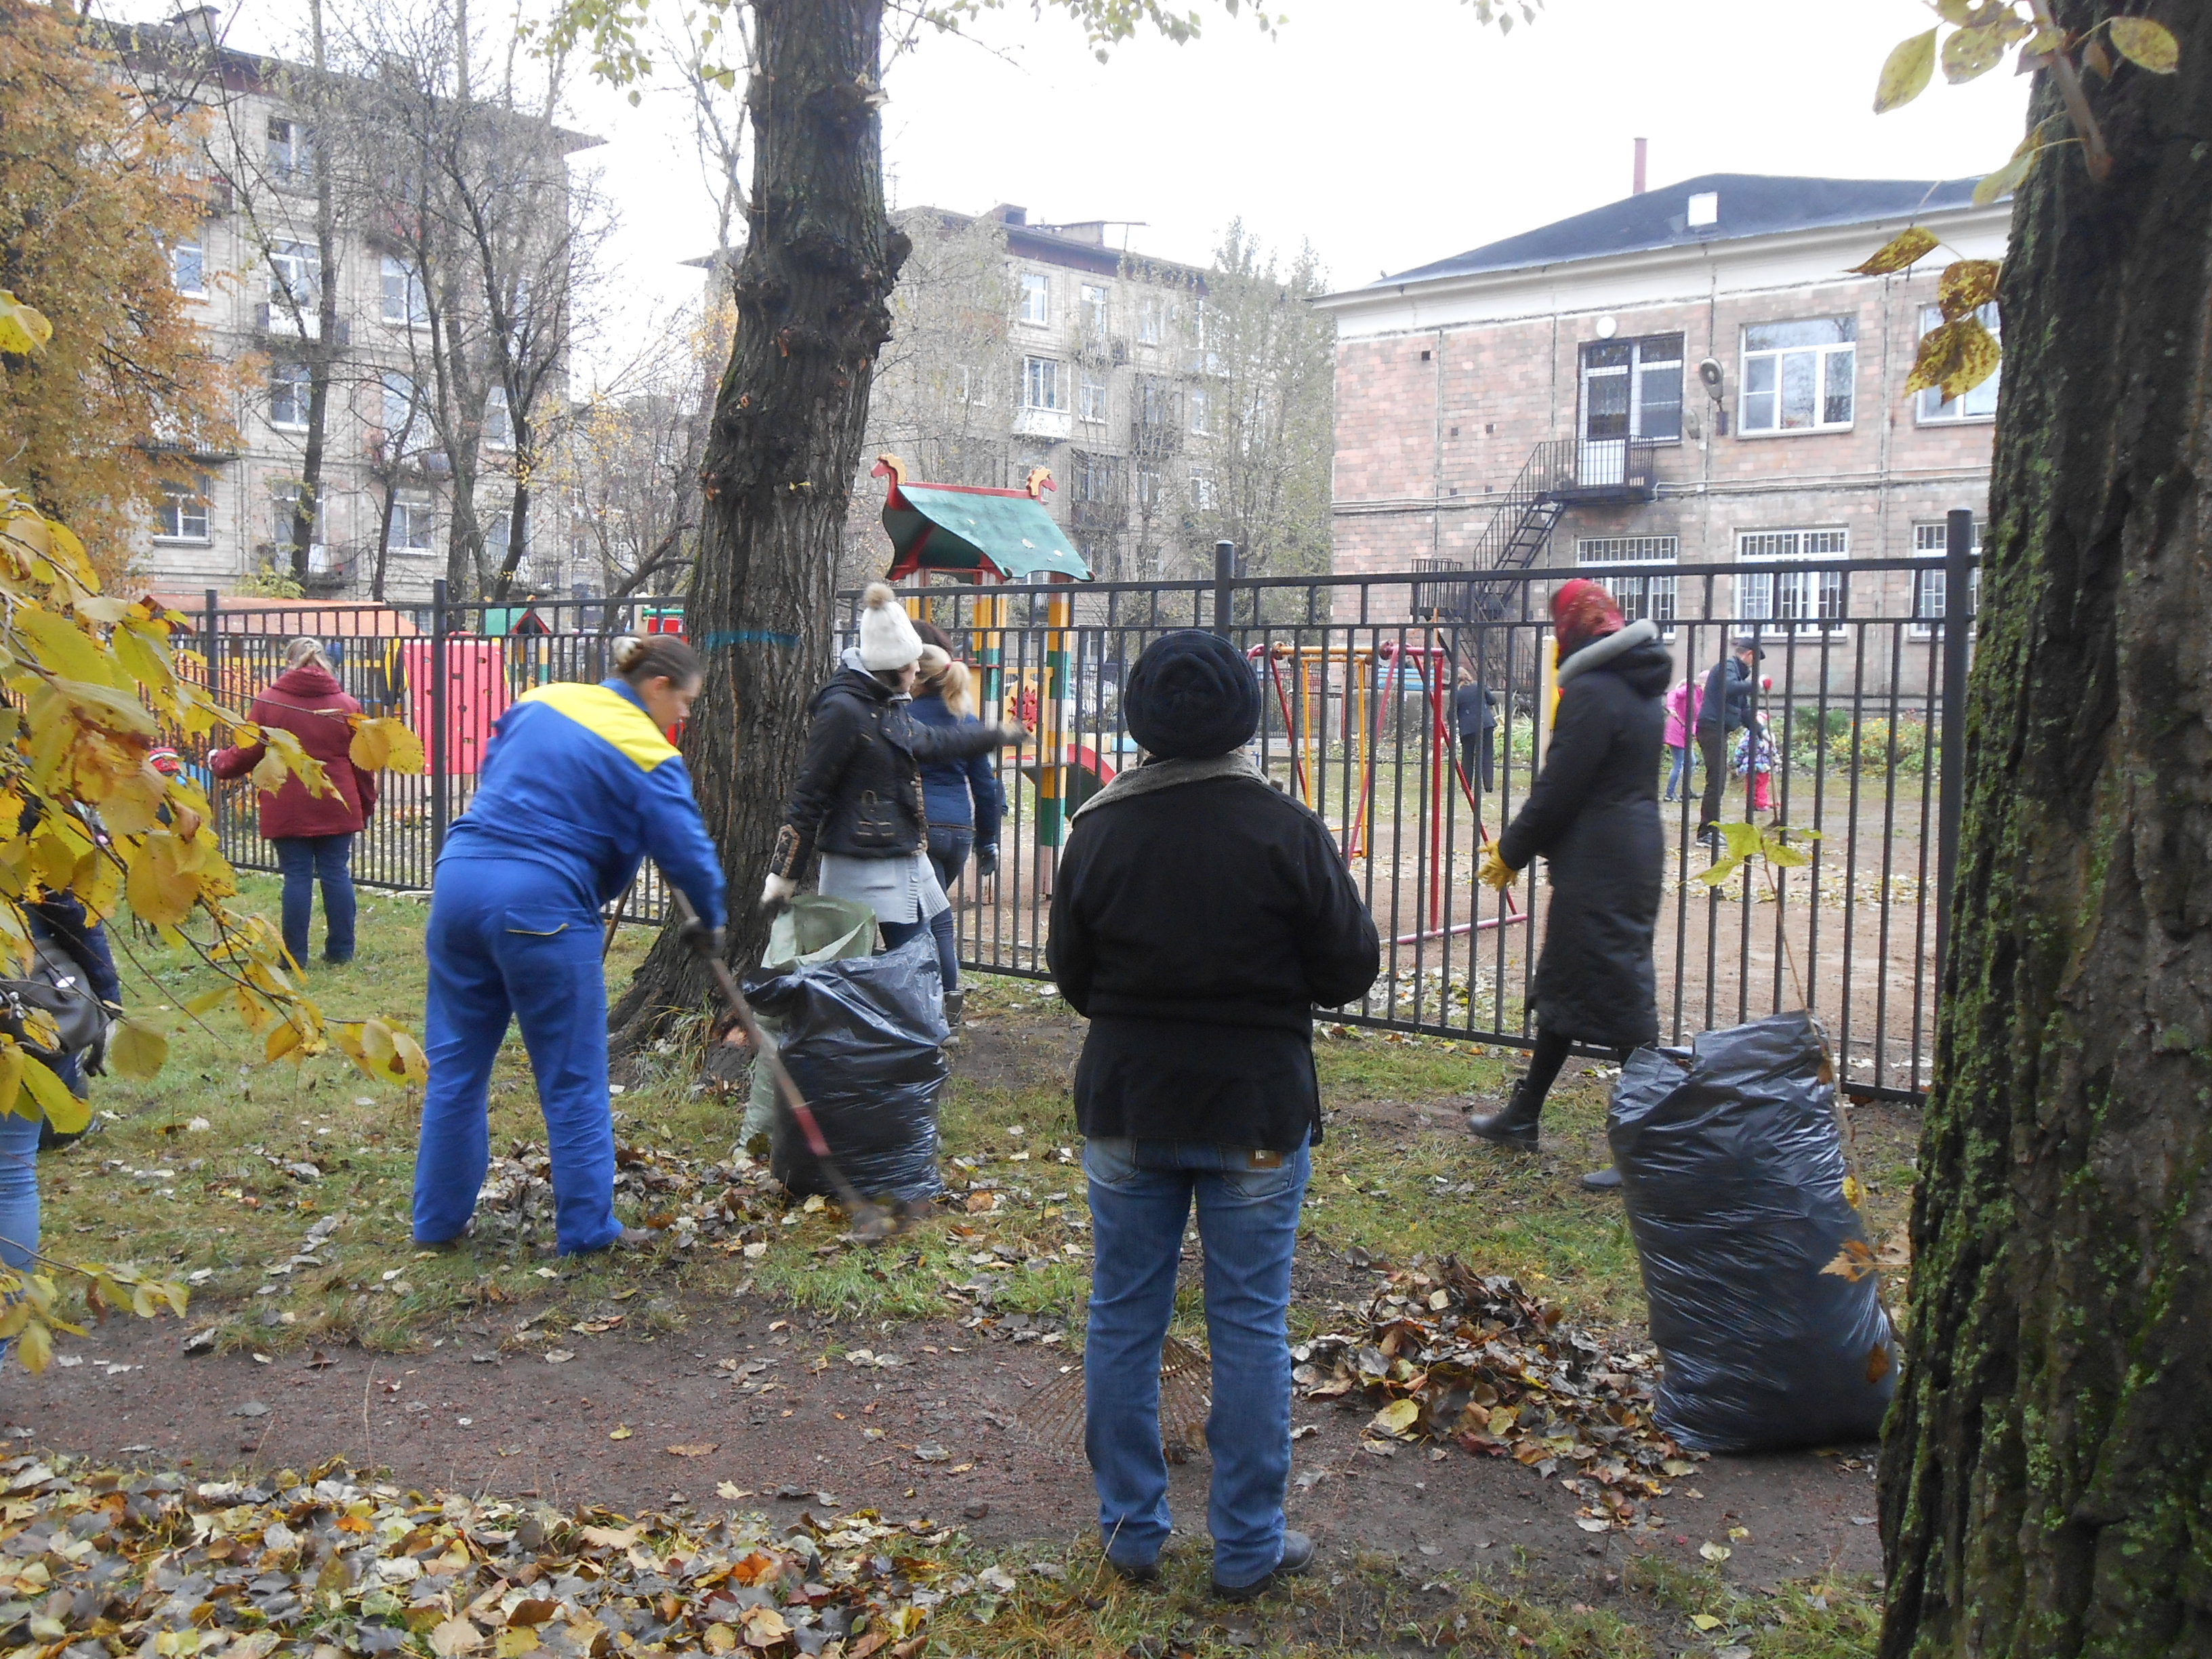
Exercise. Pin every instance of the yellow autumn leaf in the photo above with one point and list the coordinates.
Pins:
(1971, 52)
(1899, 253)
(1854, 1194)
(1954, 357)
(1853, 1262)
(410, 1064)
(14, 1096)
(514, 1642)
(64, 1110)
(1396, 1418)
(135, 1051)
(162, 886)
(283, 1043)
(1965, 286)
(2146, 45)
(35, 1347)
(621, 1431)
(1905, 72)
(1704, 1621)
(386, 745)
(23, 328)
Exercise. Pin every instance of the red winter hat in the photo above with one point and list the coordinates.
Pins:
(1583, 612)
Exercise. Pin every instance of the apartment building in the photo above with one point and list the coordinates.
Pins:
(257, 278)
(1091, 364)
(1691, 375)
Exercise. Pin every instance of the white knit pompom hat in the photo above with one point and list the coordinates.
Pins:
(887, 637)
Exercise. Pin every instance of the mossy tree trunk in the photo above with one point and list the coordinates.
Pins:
(812, 291)
(2044, 1474)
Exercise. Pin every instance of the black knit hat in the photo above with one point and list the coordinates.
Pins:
(1191, 694)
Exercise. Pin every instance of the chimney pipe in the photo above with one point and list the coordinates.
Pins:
(1641, 143)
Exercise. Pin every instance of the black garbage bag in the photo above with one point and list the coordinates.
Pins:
(1732, 1167)
(862, 1039)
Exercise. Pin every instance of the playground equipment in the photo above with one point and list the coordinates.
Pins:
(1306, 730)
(983, 537)
(1434, 665)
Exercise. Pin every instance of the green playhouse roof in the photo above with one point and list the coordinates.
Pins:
(951, 527)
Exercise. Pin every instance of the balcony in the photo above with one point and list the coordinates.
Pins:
(1050, 423)
(282, 322)
(1576, 471)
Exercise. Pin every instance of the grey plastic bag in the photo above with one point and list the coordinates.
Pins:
(1732, 1167)
(812, 929)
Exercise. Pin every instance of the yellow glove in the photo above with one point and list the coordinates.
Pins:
(1494, 871)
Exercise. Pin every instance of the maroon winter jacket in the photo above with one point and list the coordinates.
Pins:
(307, 702)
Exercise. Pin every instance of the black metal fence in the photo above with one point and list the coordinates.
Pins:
(1357, 681)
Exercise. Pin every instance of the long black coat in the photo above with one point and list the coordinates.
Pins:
(1594, 813)
(1198, 926)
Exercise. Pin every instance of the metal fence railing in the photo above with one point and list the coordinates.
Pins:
(1357, 679)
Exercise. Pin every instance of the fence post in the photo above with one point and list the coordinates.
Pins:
(1950, 793)
(438, 720)
(1224, 572)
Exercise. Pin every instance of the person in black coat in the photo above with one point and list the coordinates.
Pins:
(858, 799)
(1594, 814)
(1730, 701)
(1199, 917)
(1474, 711)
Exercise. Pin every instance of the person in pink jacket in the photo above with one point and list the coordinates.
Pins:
(1682, 705)
(313, 833)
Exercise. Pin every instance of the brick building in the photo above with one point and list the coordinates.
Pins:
(1686, 376)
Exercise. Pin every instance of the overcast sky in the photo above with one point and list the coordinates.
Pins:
(1387, 132)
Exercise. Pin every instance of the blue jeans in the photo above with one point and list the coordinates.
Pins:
(508, 940)
(1248, 1218)
(896, 933)
(19, 1192)
(949, 846)
(1686, 765)
(305, 860)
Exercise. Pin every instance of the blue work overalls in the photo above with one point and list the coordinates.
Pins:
(577, 785)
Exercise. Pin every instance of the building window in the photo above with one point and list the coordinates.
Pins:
(498, 420)
(411, 524)
(972, 386)
(1202, 489)
(1155, 404)
(1152, 319)
(1632, 389)
(291, 148)
(1798, 376)
(181, 515)
(1148, 486)
(404, 301)
(284, 505)
(1980, 404)
(1094, 482)
(1791, 601)
(290, 392)
(1932, 542)
(1036, 298)
(188, 267)
(296, 280)
(1095, 313)
(401, 405)
(1090, 399)
(1639, 595)
(1200, 403)
(1040, 382)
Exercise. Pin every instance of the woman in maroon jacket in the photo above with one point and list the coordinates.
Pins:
(313, 833)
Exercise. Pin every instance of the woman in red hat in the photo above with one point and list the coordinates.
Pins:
(1593, 814)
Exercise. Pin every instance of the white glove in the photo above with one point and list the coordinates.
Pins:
(776, 891)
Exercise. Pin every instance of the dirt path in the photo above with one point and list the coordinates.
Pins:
(513, 1426)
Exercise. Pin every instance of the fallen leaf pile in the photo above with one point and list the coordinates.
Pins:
(1446, 1353)
(162, 1564)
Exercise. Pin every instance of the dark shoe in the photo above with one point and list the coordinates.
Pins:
(1515, 1125)
(956, 1005)
(1607, 1180)
(1297, 1556)
(1136, 1572)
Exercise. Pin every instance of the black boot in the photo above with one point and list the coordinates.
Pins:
(956, 1005)
(1514, 1126)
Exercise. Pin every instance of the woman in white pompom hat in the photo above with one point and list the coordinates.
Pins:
(858, 799)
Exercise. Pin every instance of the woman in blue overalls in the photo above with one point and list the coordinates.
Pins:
(578, 783)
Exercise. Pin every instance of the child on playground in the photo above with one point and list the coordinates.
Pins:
(1754, 761)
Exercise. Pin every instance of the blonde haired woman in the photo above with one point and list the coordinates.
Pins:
(962, 797)
(313, 833)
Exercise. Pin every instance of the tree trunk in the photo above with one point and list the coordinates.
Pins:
(812, 309)
(322, 359)
(2044, 1474)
